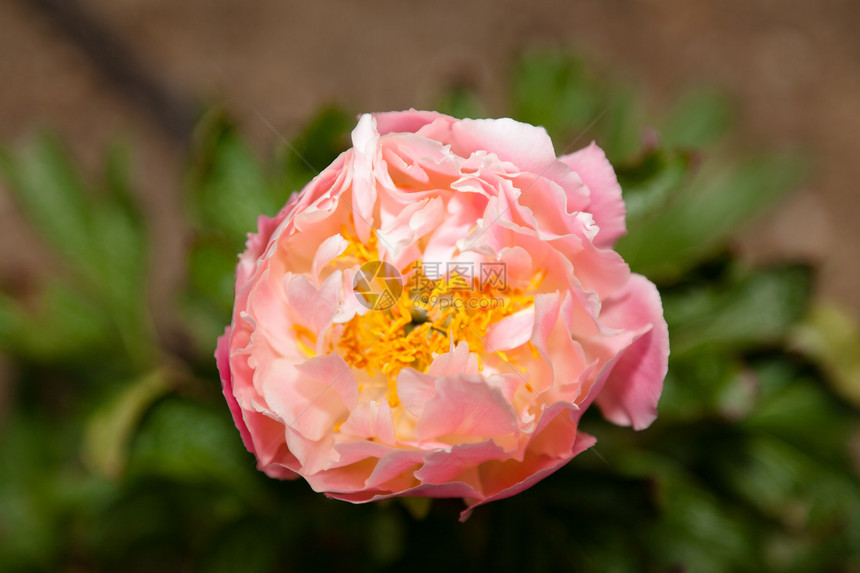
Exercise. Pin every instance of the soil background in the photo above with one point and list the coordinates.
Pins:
(138, 70)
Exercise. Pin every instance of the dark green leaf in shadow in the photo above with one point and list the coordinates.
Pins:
(212, 268)
(804, 415)
(190, 443)
(250, 545)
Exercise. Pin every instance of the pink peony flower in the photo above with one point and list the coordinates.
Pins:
(459, 365)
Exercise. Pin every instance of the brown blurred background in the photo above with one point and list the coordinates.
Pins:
(138, 70)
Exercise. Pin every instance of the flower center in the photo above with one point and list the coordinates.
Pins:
(428, 319)
(430, 315)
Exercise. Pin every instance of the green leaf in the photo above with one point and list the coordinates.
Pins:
(813, 508)
(63, 325)
(102, 240)
(555, 91)
(251, 546)
(316, 146)
(228, 189)
(618, 125)
(804, 415)
(190, 443)
(461, 102)
(650, 183)
(704, 213)
(212, 266)
(51, 193)
(110, 429)
(706, 384)
(698, 120)
(832, 339)
(755, 309)
(696, 530)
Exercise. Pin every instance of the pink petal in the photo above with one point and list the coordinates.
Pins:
(526, 146)
(465, 406)
(631, 391)
(415, 389)
(333, 372)
(457, 361)
(408, 121)
(370, 420)
(444, 466)
(365, 143)
(328, 250)
(512, 331)
(506, 478)
(607, 205)
(222, 360)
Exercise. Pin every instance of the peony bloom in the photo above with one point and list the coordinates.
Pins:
(459, 364)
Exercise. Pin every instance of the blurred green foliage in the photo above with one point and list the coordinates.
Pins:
(119, 454)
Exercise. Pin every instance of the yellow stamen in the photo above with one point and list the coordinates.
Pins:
(422, 323)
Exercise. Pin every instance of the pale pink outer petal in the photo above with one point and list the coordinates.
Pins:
(526, 146)
(607, 205)
(631, 391)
